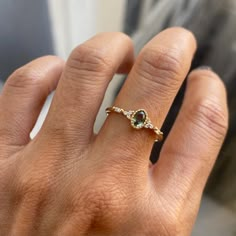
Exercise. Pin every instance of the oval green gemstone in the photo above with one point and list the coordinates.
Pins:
(139, 119)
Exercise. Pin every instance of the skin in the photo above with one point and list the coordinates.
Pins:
(68, 181)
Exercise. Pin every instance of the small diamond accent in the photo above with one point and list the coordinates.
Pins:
(117, 109)
(149, 126)
(128, 114)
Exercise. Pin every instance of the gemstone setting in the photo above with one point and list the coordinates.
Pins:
(139, 118)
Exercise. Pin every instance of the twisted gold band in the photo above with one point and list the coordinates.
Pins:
(139, 119)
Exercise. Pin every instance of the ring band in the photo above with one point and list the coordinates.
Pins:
(139, 119)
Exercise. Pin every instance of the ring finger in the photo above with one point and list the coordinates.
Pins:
(152, 85)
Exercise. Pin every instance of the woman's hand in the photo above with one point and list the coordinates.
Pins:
(68, 181)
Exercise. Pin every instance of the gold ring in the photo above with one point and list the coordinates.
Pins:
(139, 119)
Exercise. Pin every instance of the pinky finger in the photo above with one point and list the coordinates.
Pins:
(195, 140)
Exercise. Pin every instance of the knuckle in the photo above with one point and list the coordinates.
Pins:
(210, 116)
(85, 59)
(32, 186)
(31, 194)
(104, 194)
(98, 198)
(24, 77)
(161, 67)
(103, 200)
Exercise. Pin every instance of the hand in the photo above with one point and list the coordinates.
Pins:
(68, 181)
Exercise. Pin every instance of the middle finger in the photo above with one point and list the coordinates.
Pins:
(81, 88)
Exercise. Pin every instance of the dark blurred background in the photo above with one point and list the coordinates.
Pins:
(25, 33)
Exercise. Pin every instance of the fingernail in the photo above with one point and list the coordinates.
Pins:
(204, 68)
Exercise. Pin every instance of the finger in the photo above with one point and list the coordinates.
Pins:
(23, 96)
(80, 92)
(192, 146)
(152, 85)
